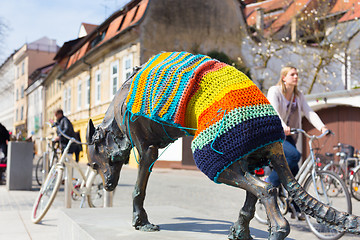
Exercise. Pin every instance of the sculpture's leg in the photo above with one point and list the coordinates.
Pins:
(140, 219)
(241, 229)
(235, 176)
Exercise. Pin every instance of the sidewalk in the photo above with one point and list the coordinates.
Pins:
(168, 189)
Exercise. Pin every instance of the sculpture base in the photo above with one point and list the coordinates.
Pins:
(115, 223)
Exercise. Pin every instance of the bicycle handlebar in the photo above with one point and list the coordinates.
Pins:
(298, 130)
(68, 137)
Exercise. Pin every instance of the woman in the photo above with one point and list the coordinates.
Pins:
(290, 104)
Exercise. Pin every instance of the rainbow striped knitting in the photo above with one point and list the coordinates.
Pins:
(224, 110)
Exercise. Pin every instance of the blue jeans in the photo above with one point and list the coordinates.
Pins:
(292, 157)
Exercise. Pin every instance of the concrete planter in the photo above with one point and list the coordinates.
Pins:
(19, 166)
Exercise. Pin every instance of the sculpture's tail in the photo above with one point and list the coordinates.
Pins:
(324, 214)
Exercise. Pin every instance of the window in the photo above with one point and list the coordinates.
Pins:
(98, 39)
(23, 68)
(127, 67)
(69, 100)
(22, 91)
(17, 115)
(114, 84)
(79, 95)
(17, 94)
(22, 113)
(87, 91)
(65, 101)
(98, 87)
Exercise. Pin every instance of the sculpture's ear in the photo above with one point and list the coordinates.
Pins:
(90, 131)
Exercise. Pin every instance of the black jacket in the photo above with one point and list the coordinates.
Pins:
(4, 134)
(66, 126)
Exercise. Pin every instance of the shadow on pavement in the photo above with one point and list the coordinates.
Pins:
(211, 226)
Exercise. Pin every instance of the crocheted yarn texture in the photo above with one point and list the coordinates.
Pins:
(224, 110)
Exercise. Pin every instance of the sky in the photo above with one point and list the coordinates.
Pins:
(29, 20)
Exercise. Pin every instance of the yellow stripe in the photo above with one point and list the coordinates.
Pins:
(213, 87)
(142, 82)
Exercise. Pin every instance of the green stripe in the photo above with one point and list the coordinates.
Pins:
(235, 117)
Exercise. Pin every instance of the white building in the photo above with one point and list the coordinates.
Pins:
(7, 71)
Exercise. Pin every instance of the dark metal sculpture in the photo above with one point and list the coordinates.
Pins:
(110, 145)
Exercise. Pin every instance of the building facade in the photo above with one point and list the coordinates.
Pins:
(7, 93)
(26, 60)
(92, 68)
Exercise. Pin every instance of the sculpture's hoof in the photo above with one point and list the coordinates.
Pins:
(279, 234)
(237, 233)
(148, 228)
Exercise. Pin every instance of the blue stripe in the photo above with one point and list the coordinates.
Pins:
(239, 141)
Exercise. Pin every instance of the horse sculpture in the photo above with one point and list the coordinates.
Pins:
(235, 131)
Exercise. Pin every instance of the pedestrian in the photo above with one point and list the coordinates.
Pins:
(4, 139)
(66, 127)
(290, 104)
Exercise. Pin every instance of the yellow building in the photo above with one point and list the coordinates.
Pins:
(92, 68)
(28, 58)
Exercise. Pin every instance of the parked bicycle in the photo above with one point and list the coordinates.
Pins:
(47, 159)
(347, 167)
(87, 188)
(325, 186)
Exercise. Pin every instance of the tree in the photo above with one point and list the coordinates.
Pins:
(321, 47)
(3, 30)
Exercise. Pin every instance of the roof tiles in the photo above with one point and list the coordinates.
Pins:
(279, 13)
(125, 19)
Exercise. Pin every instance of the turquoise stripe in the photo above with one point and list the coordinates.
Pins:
(159, 95)
(233, 118)
(151, 78)
(135, 82)
(179, 92)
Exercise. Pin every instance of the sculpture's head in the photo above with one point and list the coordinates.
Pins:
(108, 149)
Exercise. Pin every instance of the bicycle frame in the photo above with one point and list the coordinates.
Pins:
(88, 177)
(309, 166)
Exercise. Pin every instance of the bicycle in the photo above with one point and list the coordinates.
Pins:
(86, 188)
(325, 186)
(347, 167)
(355, 183)
(47, 160)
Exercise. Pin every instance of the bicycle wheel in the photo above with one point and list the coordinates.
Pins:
(332, 191)
(335, 167)
(355, 185)
(47, 193)
(260, 211)
(39, 170)
(95, 197)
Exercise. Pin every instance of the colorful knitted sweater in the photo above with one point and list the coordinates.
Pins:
(224, 110)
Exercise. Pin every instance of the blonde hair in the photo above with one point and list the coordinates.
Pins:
(284, 71)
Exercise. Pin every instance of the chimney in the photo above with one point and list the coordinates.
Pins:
(260, 19)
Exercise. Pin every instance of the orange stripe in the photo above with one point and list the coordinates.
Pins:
(250, 96)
